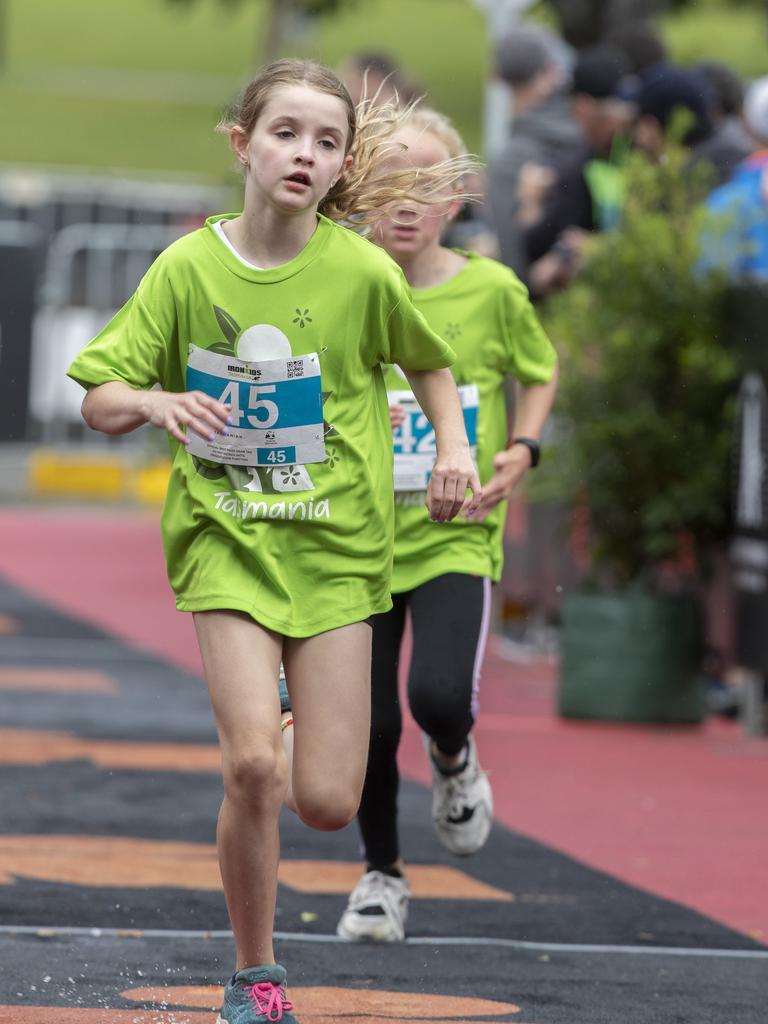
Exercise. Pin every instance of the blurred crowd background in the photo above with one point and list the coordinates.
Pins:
(626, 147)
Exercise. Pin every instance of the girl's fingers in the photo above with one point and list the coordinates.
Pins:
(475, 502)
(220, 411)
(447, 494)
(203, 412)
(174, 429)
(435, 496)
(477, 491)
(203, 428)
(458, 498)
(192, 410)
(449, 500)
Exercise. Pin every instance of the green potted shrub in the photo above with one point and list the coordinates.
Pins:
(645, 410)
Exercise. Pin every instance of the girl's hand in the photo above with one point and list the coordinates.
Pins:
(396, 416)
(453, 473)
(172, 411)
(509, 467)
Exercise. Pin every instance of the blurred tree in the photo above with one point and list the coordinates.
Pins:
(285, 20)
(585, 22)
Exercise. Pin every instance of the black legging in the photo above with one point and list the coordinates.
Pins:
(449, 618)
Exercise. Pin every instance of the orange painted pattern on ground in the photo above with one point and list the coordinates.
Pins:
(316, 1006)
(122, 862)
(321, 1005)
(55, 680)
(427, 881)
(28, 746)
(106, 861)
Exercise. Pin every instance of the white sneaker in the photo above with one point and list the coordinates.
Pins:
(462, 805)
(377, 910)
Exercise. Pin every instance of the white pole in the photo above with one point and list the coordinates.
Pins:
(501, 15)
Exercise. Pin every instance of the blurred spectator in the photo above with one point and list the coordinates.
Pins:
(587, 194)
(376, 74)
(640, 43)
(729, 143)
(529, 60)
(665, 90)
(741, 246)
(501, 16)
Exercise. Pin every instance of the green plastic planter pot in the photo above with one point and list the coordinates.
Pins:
(631, 657)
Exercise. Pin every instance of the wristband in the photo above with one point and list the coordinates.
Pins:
(532, 446)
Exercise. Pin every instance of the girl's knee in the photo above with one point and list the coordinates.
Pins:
(329, 808)
(256, 776)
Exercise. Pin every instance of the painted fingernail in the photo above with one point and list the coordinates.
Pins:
(230, 421)
(224, 430)
(211, 437)
(185, 440)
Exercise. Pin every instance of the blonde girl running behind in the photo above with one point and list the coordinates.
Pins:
(257, 343)
(443, 571)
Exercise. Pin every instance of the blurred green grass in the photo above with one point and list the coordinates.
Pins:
(139, 85)
(721, 31)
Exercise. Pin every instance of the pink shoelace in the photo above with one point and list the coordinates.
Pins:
(269, 999)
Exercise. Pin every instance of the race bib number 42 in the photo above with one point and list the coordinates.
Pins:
(414, 439)
(276, 408)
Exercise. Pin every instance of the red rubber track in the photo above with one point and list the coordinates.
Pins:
(678, 811)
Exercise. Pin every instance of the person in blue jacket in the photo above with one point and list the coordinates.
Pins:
(737, 241)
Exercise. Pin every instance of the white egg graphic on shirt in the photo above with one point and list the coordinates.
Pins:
(263, 341)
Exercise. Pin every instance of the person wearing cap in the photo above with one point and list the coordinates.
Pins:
(531, 61)
(587, 194)
(641, 43)
(729, 143)
(665, 90)
(739, 242)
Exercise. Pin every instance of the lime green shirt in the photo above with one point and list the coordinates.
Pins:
(302, 549)
(486, 316)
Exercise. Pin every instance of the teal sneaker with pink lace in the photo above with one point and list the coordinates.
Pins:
(256, 995)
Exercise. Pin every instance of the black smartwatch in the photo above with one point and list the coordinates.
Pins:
(532, 446)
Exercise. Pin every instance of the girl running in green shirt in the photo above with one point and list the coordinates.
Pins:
(443, 572)
(266, 332)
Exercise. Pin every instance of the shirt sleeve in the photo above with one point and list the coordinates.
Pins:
(531, 357)
(407, 338)
(134, 346)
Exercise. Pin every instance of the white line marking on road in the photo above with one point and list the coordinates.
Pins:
(43, 932)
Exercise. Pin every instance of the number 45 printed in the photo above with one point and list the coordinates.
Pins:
(276, 457)
(262, 412)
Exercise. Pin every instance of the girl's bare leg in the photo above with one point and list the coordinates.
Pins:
(329, 680)
(241, 661)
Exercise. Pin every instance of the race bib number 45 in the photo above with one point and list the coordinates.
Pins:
(276, 408)
(414, 439)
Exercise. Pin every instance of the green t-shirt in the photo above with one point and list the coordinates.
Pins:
(302, 549)
(485, 315)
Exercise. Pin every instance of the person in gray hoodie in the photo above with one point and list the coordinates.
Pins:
(534, 64)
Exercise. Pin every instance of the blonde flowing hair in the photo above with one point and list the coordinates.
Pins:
(363, 193)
